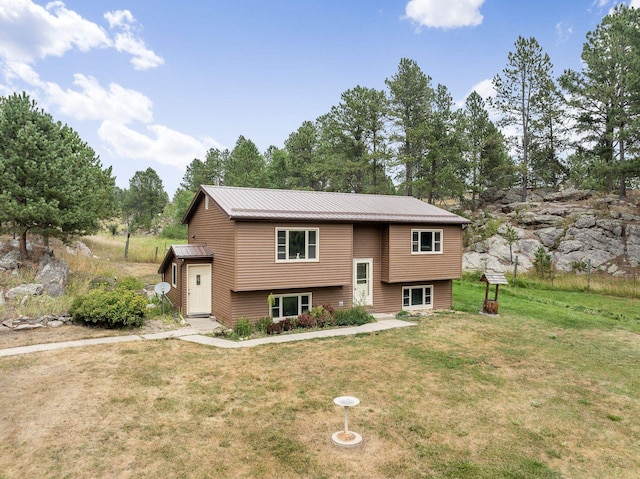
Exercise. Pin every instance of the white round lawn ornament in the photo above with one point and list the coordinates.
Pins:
(346, 438)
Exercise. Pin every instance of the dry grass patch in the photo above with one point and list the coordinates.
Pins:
(460, 396)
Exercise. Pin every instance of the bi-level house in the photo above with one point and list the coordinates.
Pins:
(258, 252)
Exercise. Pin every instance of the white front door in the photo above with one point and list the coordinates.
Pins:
(198, 289)
(362, 282)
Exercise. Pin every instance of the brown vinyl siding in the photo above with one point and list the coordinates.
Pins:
(213, 227)
(257, 269)
(390, 298)
(403, 266)
(367, 242)
(253, 304)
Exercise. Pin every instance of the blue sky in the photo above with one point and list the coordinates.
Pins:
(156, 83)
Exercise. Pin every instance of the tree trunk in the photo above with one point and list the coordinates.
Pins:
(23, 245)
(623, 183)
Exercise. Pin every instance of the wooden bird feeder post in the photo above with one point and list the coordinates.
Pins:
(490, 306)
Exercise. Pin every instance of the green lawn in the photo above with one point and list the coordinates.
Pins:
(548, 389)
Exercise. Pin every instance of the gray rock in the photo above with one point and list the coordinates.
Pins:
(10, 260)
(52, 274)
(481, 262)
(55, 323)
(585, 221)
(1, 297)
(615, 227)
(569, 194)
(78, 247)
(27, 326)
(533, 219)
(632, 233)
(528, 247)
(30, 289)
(597, 239)
(520, 233)
(550, 236)
(569, 246)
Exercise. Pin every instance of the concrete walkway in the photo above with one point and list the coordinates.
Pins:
(198, 327)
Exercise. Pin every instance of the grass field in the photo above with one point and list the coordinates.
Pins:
(549, 389)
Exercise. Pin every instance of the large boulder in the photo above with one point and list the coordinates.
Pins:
(570, 194)
(550, 236)
(10, 260)
(78, 247)
(52, 274)
(632, 233)
(30, 289)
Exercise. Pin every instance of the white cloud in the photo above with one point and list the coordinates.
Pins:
(162, 144)
(29, 32)
(93, 102)
(445, 13)
(126, 41)
(635, 3)
(563, 31)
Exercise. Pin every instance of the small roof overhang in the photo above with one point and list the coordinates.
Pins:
(186, 251)
(494, 278)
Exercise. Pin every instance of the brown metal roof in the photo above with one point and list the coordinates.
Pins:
(266, 204)
(186, 251)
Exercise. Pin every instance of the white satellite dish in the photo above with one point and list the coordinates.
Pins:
(162, 288)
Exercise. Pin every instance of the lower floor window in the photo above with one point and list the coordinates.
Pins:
(288, 305)
(417, 297)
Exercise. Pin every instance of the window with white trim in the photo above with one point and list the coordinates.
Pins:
(426, 241)
(296, 244)
(174, 274)
(417, 297)
(290, 305)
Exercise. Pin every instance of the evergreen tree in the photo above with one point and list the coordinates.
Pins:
(51, 182)
(305, 166)
(353, 141)
(441, 173)
(207, 172)
(520, 94)
(606, 97)
(246, 166)
(410, 99)
(146, 198)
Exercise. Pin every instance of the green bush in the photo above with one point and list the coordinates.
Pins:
(355, 316)
(243, 328)
(112, 309)
(263, 323)
(174, 231)
(130, 283)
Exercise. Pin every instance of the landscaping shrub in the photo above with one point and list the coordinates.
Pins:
(287, 324)
(274, 328)
(130, 283)
(306, 320)
(111, 309)
(263, 323)
(355, 316)
(323, 315)
(243, 328)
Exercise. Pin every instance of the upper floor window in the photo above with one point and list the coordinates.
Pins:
(296, 244)
(426, 241)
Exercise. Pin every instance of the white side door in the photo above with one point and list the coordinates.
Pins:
(363, 282)
(198, 289)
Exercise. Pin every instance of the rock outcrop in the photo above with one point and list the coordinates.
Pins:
(573, 225)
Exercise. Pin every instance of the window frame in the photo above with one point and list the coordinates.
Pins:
(277, 303)
(424, 287)
(421, 231)
(306, 231)
(174, 275)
